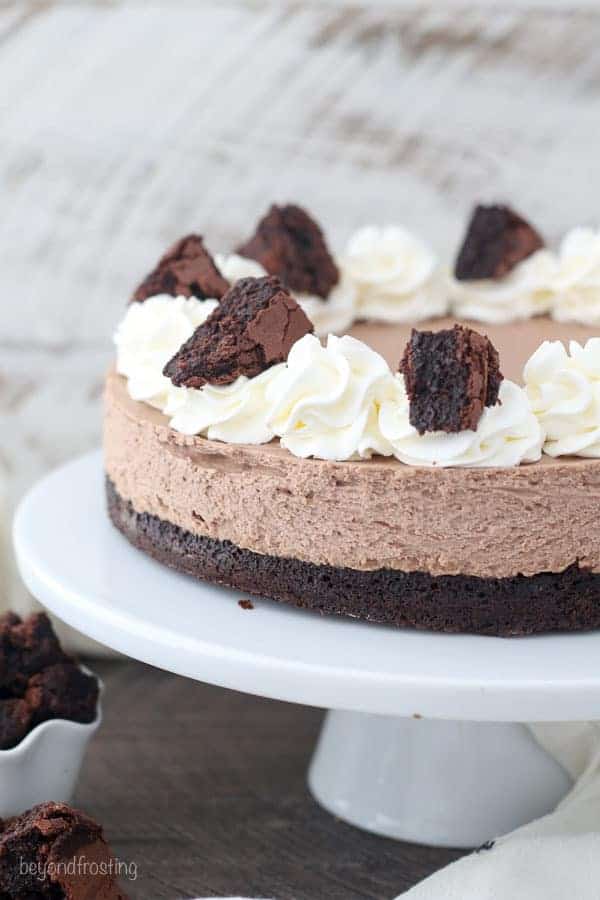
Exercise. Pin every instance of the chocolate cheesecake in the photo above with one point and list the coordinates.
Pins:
(496, 550)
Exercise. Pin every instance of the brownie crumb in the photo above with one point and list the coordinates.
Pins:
(38, 680)
(487, 846)
(252, 329)
(186, 270)
(62, 691)
(56, 852)
(246, 604)
(26, 647)
(289, 243)
(497, 239)
(450, 376)
(15, 722)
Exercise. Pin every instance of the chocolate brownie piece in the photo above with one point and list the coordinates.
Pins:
(26, 647)
(15, 722)
(497, 239)
(289, 243)
(187, 269)
(253, 328)
(38, 681)
(450, 376)
(56, 852)
(62, 691)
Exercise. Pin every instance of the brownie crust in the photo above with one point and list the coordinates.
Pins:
(519, 605)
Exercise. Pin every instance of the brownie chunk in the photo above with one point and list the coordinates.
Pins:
(450, 376)
(62, 691)
(38, 681)
(496, 240)
(186, 270)
(54, 851)
(252, 329)
(26, 647)
(289, 243)
(15, 722)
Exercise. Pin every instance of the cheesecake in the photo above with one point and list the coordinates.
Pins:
(407, 473)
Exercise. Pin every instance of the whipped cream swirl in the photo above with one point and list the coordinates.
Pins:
(149, 335)
(564, 392)
(507, 434)
(396, 274)
(577, 281)
(528, 290)
(236, 413)
(232, 266)
(335, 314)
(325, 402)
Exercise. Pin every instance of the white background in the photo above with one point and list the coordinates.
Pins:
(124, 125)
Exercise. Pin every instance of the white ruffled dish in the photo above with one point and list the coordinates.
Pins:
(46, 764)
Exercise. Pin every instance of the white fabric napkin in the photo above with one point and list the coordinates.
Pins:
(556, 857)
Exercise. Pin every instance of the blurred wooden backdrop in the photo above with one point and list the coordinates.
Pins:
(123, 125)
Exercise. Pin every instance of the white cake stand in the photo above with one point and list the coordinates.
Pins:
(421, 741)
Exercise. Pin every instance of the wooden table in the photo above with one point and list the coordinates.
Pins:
(204, 790)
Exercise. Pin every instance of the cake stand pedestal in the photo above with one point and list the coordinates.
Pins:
(422, 740)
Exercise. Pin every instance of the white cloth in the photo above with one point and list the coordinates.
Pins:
(556, 857)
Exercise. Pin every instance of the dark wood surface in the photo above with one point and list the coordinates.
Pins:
(204, 790)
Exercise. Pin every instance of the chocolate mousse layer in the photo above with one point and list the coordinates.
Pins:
(376, 514)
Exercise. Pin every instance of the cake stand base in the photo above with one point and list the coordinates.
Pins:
(443, 783)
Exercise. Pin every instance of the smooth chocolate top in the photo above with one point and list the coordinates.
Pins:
(186, 270)
(289, 243)
(252, 329)
(497, 239)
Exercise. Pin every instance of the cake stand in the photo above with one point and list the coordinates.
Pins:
(422, 740)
